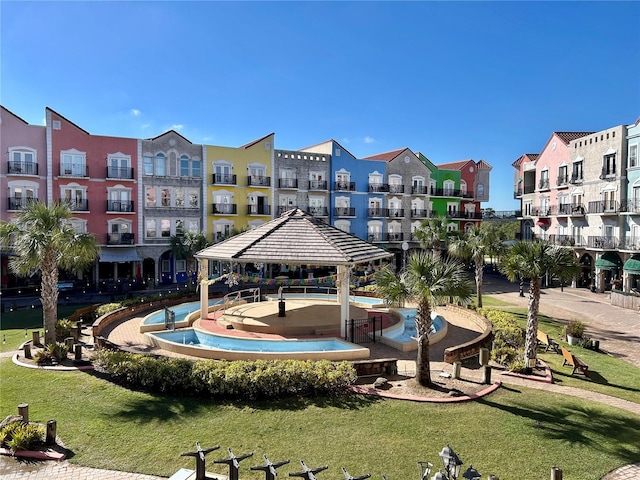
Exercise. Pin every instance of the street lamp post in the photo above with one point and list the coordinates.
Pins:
(452, 464)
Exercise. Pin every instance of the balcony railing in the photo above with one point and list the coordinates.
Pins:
(630, 206)
(223, 179)
(568, 240)
(609, 207)
(318, 185)
(544, 211)
(288, 183)
(577, 210)
(608, 173)
(284, 208)
(344, 211)
(471, 215)
(543, 184)
(395, 212)
(386, 237)
(630, 243)
(78, 205)
(258, 209)
(74, 170)
(378, 187)
(345, 186)
(501, 214)
(419, 213)
(22, 168)
(517, 192)
(603, 242)
(396, 188)
(376, 212)
(564, 209)
(318, 211)
(562, 181)
(123, 173)
(224, 209)
(18, 203)
(445, 192)
(419, 190)
(258, 181)
(120, 239)
(119, 205)
(575, 179)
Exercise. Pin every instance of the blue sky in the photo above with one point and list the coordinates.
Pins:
(453, 80)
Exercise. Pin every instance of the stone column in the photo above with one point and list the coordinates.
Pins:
(204, 287)
(343, 298)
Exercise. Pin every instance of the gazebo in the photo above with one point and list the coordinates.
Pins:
(293, 238)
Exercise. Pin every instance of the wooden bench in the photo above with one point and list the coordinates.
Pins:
(547, 342)
(573, 361)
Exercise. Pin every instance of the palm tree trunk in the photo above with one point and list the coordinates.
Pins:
(479, 275)
(423, 325)
(49, 295)
(531, 338)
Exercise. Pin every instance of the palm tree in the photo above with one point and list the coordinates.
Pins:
(475, 245)
(185, 246)
(426, 280)
(533, 260)
(432, 233)
(41, 238)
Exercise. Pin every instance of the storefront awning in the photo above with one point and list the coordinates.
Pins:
(608, 261)
(119, 255)
(632, 266)
(543, 222)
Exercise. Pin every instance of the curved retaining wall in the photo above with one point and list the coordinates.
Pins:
(471, 348)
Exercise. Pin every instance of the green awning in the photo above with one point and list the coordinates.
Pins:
(632, 265)
(609, 261)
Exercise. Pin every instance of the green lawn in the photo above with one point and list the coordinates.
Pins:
(513, 433)
(489, 301)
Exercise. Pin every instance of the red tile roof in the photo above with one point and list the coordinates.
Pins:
(386, 156)
(482, 165)
(527, 157)
(454, 165)
(566, 137)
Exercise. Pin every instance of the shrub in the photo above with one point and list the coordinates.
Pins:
(51, 353)
(575, 329)
(257, 379)
(22, 436)
(508, 337)
(107, 308)
(63, 329)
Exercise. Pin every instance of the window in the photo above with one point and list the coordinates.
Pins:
(375, 182)
(75, 197)
(118, 166)
(179, 228)
(119, 200)
(79, 226)
(633, 155)
(342, 180)
(120, 232)
(480, 191)
(147, 165)
(194, 198)
(609, 197)
(609, 165)
(223, 173)
(150, 230)
(161, 165)
(179, 193)
(23, 162)
(576, 172)
(165, 197)
(257, 175)
(165, 227)
(544, 180)
(448, 187)
(20, 194)
(184, 166)
(196, 168)
(344, 225)
(181, 266)
(73, 164)
(562, 175)
(193, 226)
(150, 197)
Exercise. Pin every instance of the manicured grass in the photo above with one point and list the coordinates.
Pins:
(513, 433)
(14, 324)
(489, 301)
(608, 375)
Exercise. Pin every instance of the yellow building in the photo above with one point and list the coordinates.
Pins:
(238, 187)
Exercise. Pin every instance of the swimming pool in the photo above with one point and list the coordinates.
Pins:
(403, 336)
(198, 343)
(369, 301)
(181, 312)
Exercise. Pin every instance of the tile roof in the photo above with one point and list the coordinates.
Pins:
(168, 132)
(386, 156)
(527, 157)
(295, 238)
(482, 165)
(250, 144)
(454, 165)
(566, 137)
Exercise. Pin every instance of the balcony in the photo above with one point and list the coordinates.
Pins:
(396, 188)
(378, 187)
(318, 211)
(419, 213)
(543, 184)
(562, 181)
(395, 212)
(258, 181)
(419, 190)
(224, 209)
(318, 185)
(564, 209)
(501, 214)
(386, 237)
(376, 212)
(258, 209)
(576, 179)
(344, 212)
(120, 173)
(288, 183)
(125, 206)
(284, 208)
(577, 210)
(544, 211)
(630, 206)
(22, 168)
(608, 207)
(630, 243)
(345, 186)
(74, 170)
(567, 240)
(603, 242)
(120, 239)
(517, 193)
(445, 192)
(18, 203)
(78, 205)
(608, 174)
(471, 215)
(223, 179)
(455, 214)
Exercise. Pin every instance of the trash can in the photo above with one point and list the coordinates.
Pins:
(281, 309)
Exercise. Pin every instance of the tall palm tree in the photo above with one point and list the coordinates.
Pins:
(533, 260)
(475, 245)
(432, 233)
(426, 280)
(185, 246)
(41, 238)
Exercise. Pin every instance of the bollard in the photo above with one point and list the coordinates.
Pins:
(35, 338)
(27, 350)
(456, 369)
(52, 427)
(23, 411)
(75, 333)
(486, 374)
(556, 473)
(484, 356)
(69, 343)
(77, 348)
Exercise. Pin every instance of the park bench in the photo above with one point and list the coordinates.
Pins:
(573, 361)
(544, 340)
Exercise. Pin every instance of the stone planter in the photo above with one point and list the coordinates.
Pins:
(572, 340)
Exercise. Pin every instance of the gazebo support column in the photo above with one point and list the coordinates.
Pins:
(343, 298)
(204, 288)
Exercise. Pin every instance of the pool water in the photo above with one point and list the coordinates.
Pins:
(190, 336)
(181, 312)
(409, 334)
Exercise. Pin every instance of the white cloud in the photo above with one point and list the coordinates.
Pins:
(145, 126)
(369, 139)
(177, 127)
(345, 140)
(135, 112)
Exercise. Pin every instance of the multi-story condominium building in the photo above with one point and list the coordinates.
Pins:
(574, 193)
(171, 175)
(239, 190)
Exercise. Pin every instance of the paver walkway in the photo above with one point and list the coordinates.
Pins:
(618, 330)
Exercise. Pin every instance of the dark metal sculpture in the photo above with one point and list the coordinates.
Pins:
(349, 477)
(308, 473)
(199, 455)
(234, 463)
(269, 468)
